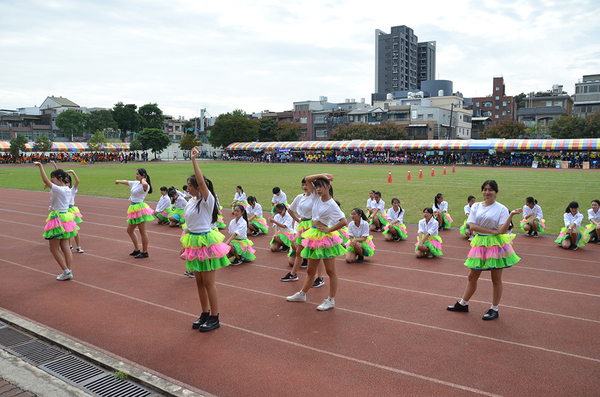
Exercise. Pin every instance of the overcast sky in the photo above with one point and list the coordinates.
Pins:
(256, 55)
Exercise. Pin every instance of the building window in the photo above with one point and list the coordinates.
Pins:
(548, 103)
(319, 119)
(504, 113)
(497, 107)
(504, 103)
(476, 104)
(497, 88)
(303, 120)
(321, 133)
(496, 116)
(593, 88)
(303, 133)
(497, 98)
(487, 114)
(487, 104)
(557, 103)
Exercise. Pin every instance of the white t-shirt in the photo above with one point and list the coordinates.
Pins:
(59, 198)
(302, 205)
(282, 198)
(358, 231)
(256, 211)
(431, 227)
(239, 197)
(287, 220)
(199, 221)
(573, 219)
(328, 213)
(239, 227)
(163, 203)
(594, 215)
(443, 206)
(537, 210)
(379, 205)
(73, 193)
(490, 217)
(180, 202)
(370, 202)
(137, 194)
(467, 209)
(396, 216)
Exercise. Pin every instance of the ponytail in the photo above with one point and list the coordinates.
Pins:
(361, 213)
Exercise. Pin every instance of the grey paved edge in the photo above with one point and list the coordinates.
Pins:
(145, 378)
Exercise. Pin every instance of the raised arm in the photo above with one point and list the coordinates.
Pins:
(54, 164)
(199, 176)
(309, 179)
(121, 182)
(74, 177)
(45, 179)
(502, 229)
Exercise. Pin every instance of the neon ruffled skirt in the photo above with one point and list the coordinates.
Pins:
(60, 225)
(244, 249)
(434, 243)
(75, 211)
(243, 203)
(582, 236)
(383, 220)
(138, 213)
(220, 223)
(204, 252)
(399, 228)
(303, 226)
(285, 237)
(177, 214)
(345, 234)
(261, 224)
(463, 228)
(164, 215)
(447, 220)
(368, 247)
(319, 245)
(491, 252)
(541, 224)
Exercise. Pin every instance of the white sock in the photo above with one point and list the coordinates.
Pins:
(495, 308)
(463, 302)
(67, 271)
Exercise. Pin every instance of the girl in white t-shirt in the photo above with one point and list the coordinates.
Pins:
(138, 212)
(278, 197)
(257, 224)
(322, 242)
(465, 230)
(377, 214)
(361, 243)
(60, 224)
(533, 217)
(163, 208)
(491, 249)
(370, 203)
(202, 247)
(440, 210)
(593, 228)
(72, 208)
(396, 230)
(177, 216)
(284, 229)
(573, 235)
(428, 244)
(239, 198)
(241, 248)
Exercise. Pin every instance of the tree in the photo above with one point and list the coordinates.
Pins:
(101, 120)
(567, 127)
(95, 141)
(72, 122)
(267, 130)
(42, 143)
(592, 126)
(287, 132)
(154, 139)
(188, 126)
(520, 100)
(188, 142)
(152, 116)
(508, 129)
(17, 145)
(233, 127)
(135, 145)
(364, 131)
(127, 118)
(536, 131)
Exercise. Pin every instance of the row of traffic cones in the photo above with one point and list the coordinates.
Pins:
(408, 178)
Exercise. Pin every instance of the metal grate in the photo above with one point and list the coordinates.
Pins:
(37, 352)
(109, 386)
(73, 370)
(10, 337)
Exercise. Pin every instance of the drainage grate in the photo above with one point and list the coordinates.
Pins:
(37, 352)
(73, 370)
(10, 337)
(110, 386)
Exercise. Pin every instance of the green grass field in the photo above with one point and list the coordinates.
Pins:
(553, 189)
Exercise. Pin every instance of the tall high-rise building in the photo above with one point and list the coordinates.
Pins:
(401, 62)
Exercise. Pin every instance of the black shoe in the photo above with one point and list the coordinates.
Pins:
(530, 232)
(360, 259)
(304, 264)
(136, 252)
(290, 277)
(535, 234)
(141, 255)
(285, 249)
(458, 308)
(203, 317)
(210, 324)
(491, 315)
(318, 282)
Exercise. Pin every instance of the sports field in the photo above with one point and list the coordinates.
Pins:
(553, 188)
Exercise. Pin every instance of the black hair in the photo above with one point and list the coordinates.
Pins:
(244, 213)
(323, 182)
(572, 204)
(303, 180)
(59, 174)
(435, 200)
(240, 187)
(184, 187)
(215, 212)
(492, 183)
(531, 200)
(173, 194)
(252, 199)
(372, 191)
(360, 212)
(596, 201)
(164, 189)
(398, 200)
(68, 179)
(280, 206)
(142, 172)
(428, 209)
(276, 190)
(378, 194)
(470, 198)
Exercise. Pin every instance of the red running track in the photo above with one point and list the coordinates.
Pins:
(388, 335)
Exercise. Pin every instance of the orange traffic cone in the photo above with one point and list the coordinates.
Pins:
(444, 171)
(420, 173)
(408, 177)
(390, 177)
(453, 170)
(432, 172)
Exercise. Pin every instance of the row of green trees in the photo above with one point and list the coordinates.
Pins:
(565, 127)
